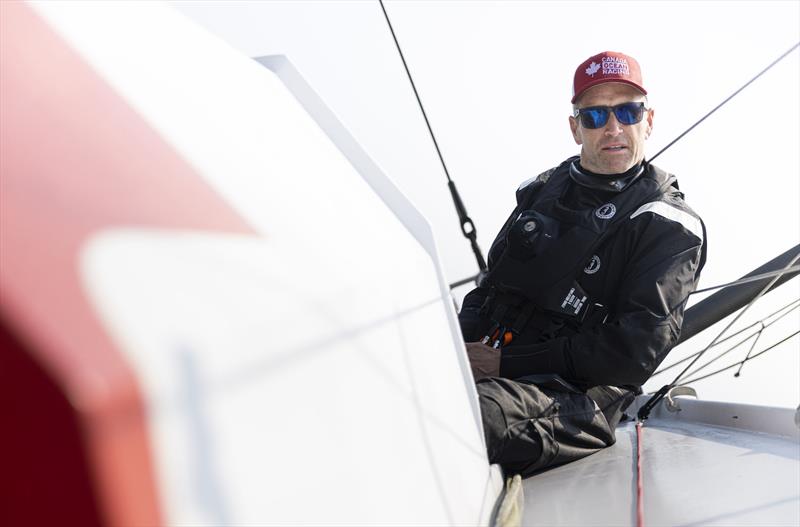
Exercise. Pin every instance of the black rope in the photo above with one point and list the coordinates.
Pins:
(731, 96)
(416, 94)
(467, 225)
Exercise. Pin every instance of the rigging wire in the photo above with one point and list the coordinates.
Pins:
(735, 346)
(467, 225)
(788, 308)
(742, 361)
(757, 336)
(736, 318)
(748, 279)
(644, 411)
(727, 301)
(731, 96)
(752, 347)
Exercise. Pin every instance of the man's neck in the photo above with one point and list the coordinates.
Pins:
(605, 182)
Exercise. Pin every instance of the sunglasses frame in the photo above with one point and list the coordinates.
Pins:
(580, 112)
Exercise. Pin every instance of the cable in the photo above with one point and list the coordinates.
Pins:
(416, 94)
(467, 225)
(735, 319)
(748, 279)
(644, 411)
(791, 307)
(731, 96)
(730, 300)
(752, 347)
(700, 368)
(743, 361)
(718, 356)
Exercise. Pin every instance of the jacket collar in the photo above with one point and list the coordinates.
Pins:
(605, 182)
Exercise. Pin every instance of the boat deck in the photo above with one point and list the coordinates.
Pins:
(709, 464)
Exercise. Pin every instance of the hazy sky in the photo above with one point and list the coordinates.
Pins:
(495, 79)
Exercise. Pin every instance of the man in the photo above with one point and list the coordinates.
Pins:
(586, 284)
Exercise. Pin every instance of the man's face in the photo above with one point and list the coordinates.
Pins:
(615, 147)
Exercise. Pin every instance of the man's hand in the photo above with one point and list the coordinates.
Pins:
(484, 360)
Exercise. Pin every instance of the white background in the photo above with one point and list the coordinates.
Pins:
(495, 79)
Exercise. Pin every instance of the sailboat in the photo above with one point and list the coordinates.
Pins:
(217, 309)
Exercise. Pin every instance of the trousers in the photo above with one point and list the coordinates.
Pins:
(535, 423)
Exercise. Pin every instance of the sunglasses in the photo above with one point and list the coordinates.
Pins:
(597, 116)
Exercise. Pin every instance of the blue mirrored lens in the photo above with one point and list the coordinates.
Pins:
(594, 117)
(629, 113)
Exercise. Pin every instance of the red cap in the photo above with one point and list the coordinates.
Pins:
(608, 66)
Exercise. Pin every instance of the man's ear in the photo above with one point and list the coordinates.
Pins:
(650, 114)
(573, 126)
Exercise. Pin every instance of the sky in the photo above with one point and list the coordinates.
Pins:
(495, 80)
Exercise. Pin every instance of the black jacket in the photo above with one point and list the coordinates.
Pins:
(642, 274)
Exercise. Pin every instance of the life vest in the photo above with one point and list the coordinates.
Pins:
(548, 246)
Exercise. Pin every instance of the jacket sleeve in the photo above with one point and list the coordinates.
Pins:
(645, 318)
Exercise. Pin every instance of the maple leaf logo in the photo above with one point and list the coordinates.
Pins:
(592, 69)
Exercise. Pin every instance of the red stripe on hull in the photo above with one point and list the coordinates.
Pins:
(74, 159)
